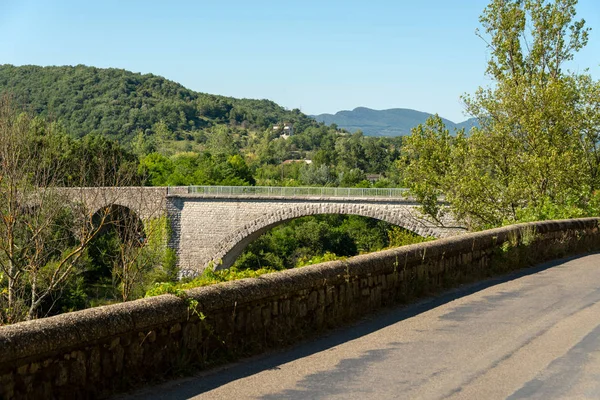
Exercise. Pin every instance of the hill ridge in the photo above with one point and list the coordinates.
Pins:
(388, 122)
(118, 103)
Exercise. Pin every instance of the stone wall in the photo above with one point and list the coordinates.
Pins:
(146, 202)
(95, 352)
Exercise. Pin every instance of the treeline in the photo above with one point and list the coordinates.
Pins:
(118, 104)
(319, 156)
(164, 124)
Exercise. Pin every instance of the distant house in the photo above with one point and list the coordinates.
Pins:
(297, 161)
(373, 177)
(286, 129)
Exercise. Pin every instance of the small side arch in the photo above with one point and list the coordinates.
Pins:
(233, 245)
(115, 212)
(119, 231)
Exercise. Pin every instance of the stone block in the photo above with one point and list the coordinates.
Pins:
(266, 316)
(175, 328)
(78, 370)
(7, 386)
(190, 336)
(285, 307)
(62, 374)
(312, 300)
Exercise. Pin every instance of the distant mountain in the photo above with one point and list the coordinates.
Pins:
(393, 122)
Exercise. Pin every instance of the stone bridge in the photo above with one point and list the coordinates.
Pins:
(216, 223)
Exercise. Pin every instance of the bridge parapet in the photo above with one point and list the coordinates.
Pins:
(249, 197)
(293, 191)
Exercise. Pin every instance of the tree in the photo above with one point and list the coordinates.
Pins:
(425, 163)
(136, 249)
(156, 169)
(376, 155)
(162, 135)
(317, 176)
(31, 215)
(221, 141)
(536, 146)
(44, 231)
(534, 141)
(141, 145)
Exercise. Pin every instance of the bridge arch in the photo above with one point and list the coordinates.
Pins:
(120, 231)
(234, 244)
(116, 212)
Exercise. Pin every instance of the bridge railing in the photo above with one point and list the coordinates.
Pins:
(288, 191)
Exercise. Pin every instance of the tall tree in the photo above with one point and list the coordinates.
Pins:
(536, 147)
(425, 163)
(533, 141)
(44, 230)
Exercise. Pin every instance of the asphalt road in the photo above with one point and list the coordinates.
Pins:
(534, 335)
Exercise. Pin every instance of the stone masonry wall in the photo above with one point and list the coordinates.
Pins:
(147, 202)
(208, 228)
(96, 352)
(217, 229)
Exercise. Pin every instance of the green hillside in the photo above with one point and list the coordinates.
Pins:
(117, 103)
(393, 122)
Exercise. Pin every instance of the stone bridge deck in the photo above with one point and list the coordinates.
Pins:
(216, 223)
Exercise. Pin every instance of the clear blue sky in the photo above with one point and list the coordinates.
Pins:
(319, 56)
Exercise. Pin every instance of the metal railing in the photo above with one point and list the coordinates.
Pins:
(293, 191)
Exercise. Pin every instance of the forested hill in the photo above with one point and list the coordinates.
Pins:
(393, 122)
(117, 103)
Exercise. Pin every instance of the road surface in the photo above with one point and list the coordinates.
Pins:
(533, 335)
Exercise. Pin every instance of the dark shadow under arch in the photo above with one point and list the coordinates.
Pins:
(123, 223)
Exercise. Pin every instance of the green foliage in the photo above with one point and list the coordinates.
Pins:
(119, 104)
(535, 153)
(426, 161)
(353, 178)
(546, 209)
(73, 296)
(327, 256)
(321, 237)
(401, 237)
(190, 168)
(161, 288)
(127, 257)
(208, 277)
(313, 175)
